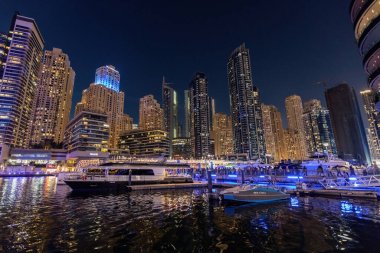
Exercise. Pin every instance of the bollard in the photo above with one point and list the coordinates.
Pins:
(130, 177)
(242, 176)
(209, 181)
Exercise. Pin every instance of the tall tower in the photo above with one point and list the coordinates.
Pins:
(222, 134)
(151, 115)
(170, 107)
(247, 122)
(52, 103)
(187, 127)
(294, 111)
(274, 133)
(108, 76)
(373, 117)
(101, 98)
(350, 137)
(19, 81)
(318, 131)
(200, 116)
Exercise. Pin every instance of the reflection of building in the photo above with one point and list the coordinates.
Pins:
(200, 116)
(151, 115)
(318, 131)
(274, 133)
(350, 137)
(222, 135)
(373, 133)
(52, 103)
(147, 143)
(245, 106)
(294, 111)
(181, 148)
(19, 80)
(170, 108)
(365, 14)
(108, 76)
(88, 131)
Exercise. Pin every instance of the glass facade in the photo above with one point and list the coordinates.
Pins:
(108, 76)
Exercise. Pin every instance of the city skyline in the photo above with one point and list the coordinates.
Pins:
(276, 63)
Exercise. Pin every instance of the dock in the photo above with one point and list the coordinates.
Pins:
(364, 194)
(150, 187)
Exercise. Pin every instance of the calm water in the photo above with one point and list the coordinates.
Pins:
(38, 216)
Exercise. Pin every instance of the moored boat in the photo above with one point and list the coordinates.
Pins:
(118, 176)
(254, 194)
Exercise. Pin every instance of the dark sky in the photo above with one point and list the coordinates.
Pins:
(293, 43)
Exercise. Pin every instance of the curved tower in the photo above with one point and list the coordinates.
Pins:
(365, 15)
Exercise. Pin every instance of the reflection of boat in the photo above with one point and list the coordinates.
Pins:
(119, 176)
(254, 194)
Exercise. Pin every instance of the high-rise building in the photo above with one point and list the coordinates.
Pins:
(318, 132)
(365, 15)
(187, 128)
(222, 135)
(349, 133)
(102, 99)
(19, 80)
(181, 148)
(126, 123)
(52, 102)
(373, 133)
(4, 47)
(247, 122)
(108, 76)
(274, 133)
(145, 143)
(294, 111)
(151, 115)
(200, 117)
(170, 107)
(87, 131)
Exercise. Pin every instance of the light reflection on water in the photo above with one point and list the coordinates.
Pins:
(38, 216)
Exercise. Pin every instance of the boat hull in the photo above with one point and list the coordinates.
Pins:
(89, 185)
(255, 199)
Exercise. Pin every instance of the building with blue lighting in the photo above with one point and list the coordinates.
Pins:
(108, 76)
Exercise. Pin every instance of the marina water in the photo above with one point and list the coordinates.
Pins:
(36, 215)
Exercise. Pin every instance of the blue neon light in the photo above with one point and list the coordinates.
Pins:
(232, 175)
(352, 178)
(294, 177)
(262, 176)
(213, 175)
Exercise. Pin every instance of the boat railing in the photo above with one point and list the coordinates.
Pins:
(113, 178)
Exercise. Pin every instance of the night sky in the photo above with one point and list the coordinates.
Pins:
(293, 43)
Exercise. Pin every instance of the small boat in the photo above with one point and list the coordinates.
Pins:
(254, 194)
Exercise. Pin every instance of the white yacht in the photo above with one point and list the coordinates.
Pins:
(119, 176)
(254, 194)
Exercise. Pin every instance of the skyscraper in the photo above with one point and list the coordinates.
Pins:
(98, 97)
(187, 128)
(200, 116)
(347, 123)
(108, 76)
(151, 115)
(19, 81)
(170, 107)
(52, 103)
(4, 47)
(318, 131)
(274, 133)
(247, 122)
(373, 117)
(222, 134)
(365, 17)
(294, 111)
